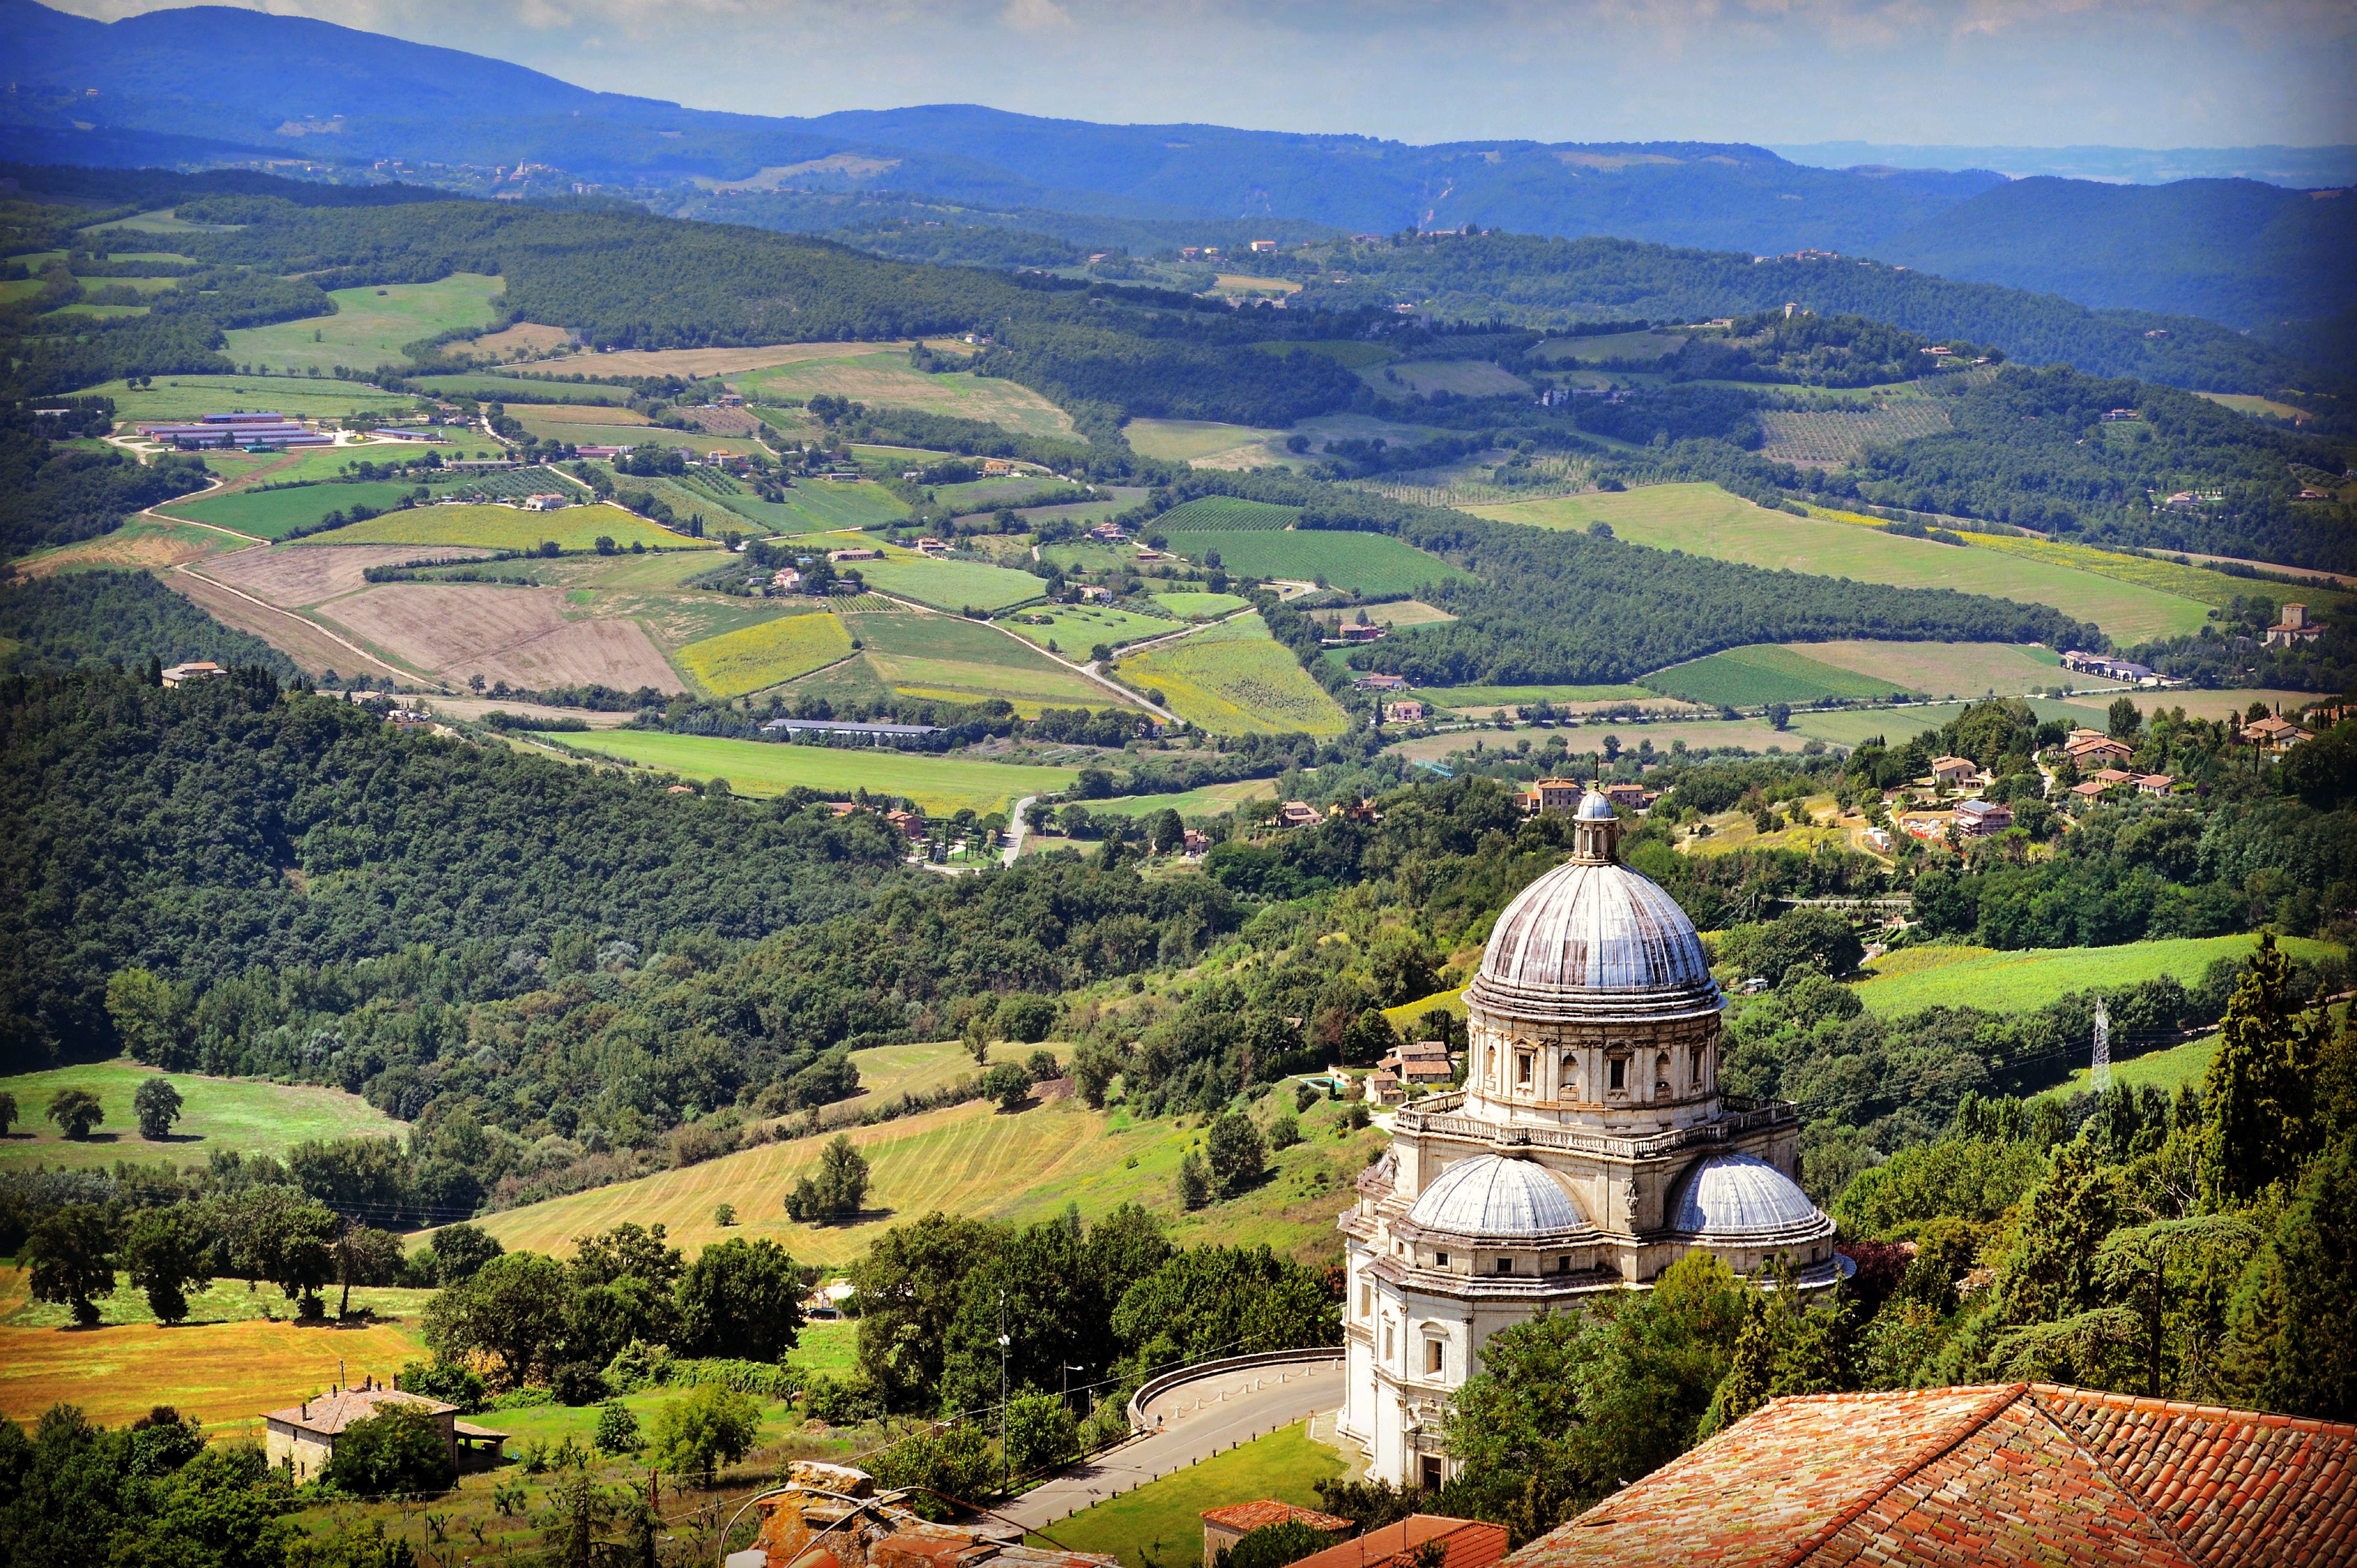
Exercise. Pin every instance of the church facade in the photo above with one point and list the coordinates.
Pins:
(1589, 1149)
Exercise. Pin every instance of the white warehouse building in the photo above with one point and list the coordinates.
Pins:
(1589, 1149)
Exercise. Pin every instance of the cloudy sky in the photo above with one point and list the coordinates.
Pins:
(2152, 73)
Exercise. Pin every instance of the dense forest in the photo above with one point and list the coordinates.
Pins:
(1557, 607)
(121, 618)
(54, 494)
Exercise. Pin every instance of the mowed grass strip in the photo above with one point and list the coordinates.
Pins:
(1162, 1521)
(495, 389)
(1943, 669)
(369, 326)
(1363, 562)
(768, 654)
(574, 528)
(1763, 672)
(1235, 679)
(1704, 519)
(1204, 605)
(1222, 513)
(1523, 696)
(940, 784)
(1916, 978)
(951, 584)
(217, 1115)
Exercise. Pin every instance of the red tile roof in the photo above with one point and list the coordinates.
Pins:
(1267, 1511)
(331, 1414)
(2017, 1474)
(1466, 1544)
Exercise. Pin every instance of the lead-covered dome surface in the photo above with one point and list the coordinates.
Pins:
(1735, 1197)
(1490, 1196)
(1591, 927)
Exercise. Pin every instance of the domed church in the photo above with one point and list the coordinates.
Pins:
(1589, 1148)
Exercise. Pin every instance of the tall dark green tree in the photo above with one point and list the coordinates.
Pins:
(2256, 1095)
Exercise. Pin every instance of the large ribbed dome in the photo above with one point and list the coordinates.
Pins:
(1735, 1197)
(1491, 1198)
(1593, 926)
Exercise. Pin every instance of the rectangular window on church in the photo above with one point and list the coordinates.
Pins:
(1619, 1072)
(1505, 1265)
(1366, 1299)
(1433, 1350)
(1522, 1069)
(1440, 1259)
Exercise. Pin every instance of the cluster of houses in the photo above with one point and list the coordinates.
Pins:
(1302, 814)
(1564, 795)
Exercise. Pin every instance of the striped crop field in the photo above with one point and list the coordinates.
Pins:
(1222, 513)
(1364, 563)
(768, 654)
(1236, 679)
(951, 584)
(1828, 437)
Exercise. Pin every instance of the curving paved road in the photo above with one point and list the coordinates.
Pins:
(1200, 1419)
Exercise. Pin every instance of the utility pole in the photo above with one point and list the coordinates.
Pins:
(2099, 1072)
(1005, 1466)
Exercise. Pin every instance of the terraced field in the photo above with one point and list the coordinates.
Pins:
(1235, 679)
(1707, 521)
(768, 654)
(575, 527)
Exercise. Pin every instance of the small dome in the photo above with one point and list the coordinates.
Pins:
(1593, 808)
(1490, 1196)
(1741, 1197)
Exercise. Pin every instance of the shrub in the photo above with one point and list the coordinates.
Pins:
(444, 1380)
(1040, 1432)
(578, 1383)
(958, 1463)
(1008, 1084)
(617, 1429)
(640, 1365)
(840, 1402)
(1274, 1545)
(398, 1449)
(711, 1426)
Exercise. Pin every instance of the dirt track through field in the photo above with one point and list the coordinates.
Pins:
(313, 647)
(517, 635)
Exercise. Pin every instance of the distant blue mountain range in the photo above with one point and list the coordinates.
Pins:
(210, 84)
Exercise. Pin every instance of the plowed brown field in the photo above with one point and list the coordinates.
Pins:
(517, 635)
(299, 575)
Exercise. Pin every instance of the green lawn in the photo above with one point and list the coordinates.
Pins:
(369, 326)
(1366, 563)
(2164, 1071)
(511, 528)
(1707, 521)
(950, 584)
(276, 514)
(1916, 978)
(940, 784)
(1160, 1524)
(186, 396)
(1184, 440)
(1076, 628)
(1745, 677)
(240, 1115)
(1021, 490)
(1210, 800)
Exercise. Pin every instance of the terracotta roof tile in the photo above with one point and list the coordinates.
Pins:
(1267, 1511)
(2015, 1473)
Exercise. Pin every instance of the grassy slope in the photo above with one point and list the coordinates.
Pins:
(950, 584)
(1235, 679)
(765, 654)
(1707, 520)
(885, 379)
(1916, 978)
(186, 396)
(511, 528)
(974, 1159)
(243, 1115)
(958, 659)
(762, 767)
(275, 513)
(1742, 677)
(369, 324)
(1161, 1522)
